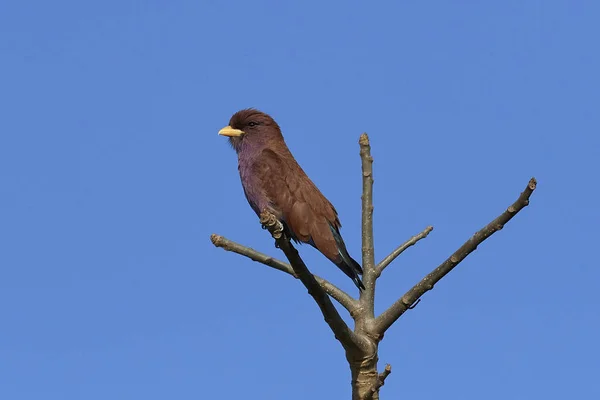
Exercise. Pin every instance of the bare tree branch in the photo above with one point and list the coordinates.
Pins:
(361, 345)
(388, 317)
(381, 380)
(229, 245)
(367, 296)
(349, 340)
(338, 294)
(400, 249)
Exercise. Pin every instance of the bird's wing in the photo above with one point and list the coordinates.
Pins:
(304, 209)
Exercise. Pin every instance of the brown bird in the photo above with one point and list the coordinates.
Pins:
(273, 181)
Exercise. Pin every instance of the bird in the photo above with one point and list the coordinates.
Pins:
(273, 181)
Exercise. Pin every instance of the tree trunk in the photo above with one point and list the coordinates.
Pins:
(363, 368)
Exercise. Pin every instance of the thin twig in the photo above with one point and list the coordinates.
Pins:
(410, 242)
(338, 294)
(367, 296)
(349, 340)
(388, 317)
(381, 380)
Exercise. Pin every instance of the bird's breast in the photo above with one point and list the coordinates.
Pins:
(253, 187)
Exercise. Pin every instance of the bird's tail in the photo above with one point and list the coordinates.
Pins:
(349, 269)
(346, 263)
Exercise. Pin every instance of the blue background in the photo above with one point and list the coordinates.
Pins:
(112, 178)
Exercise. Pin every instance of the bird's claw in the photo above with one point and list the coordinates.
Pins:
(270, 222)
(278, 231)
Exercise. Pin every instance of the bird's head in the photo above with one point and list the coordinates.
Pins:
(251, 126)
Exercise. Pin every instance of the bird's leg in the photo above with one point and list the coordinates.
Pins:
(270, 222)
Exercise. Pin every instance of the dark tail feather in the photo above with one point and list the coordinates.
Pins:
(351, 272)
(347, 264)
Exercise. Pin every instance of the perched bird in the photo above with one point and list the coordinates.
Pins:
(273, 181)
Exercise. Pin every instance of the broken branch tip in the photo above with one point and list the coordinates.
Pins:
(216, 239)
(364, 139)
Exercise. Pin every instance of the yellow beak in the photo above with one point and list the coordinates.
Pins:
(229, 131)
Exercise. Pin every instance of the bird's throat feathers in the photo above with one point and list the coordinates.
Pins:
(252, 144)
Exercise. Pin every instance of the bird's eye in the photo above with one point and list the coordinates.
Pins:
(252, 123)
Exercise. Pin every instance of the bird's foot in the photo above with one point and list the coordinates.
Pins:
(270, 222)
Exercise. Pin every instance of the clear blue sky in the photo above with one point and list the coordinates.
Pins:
(112, 178)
